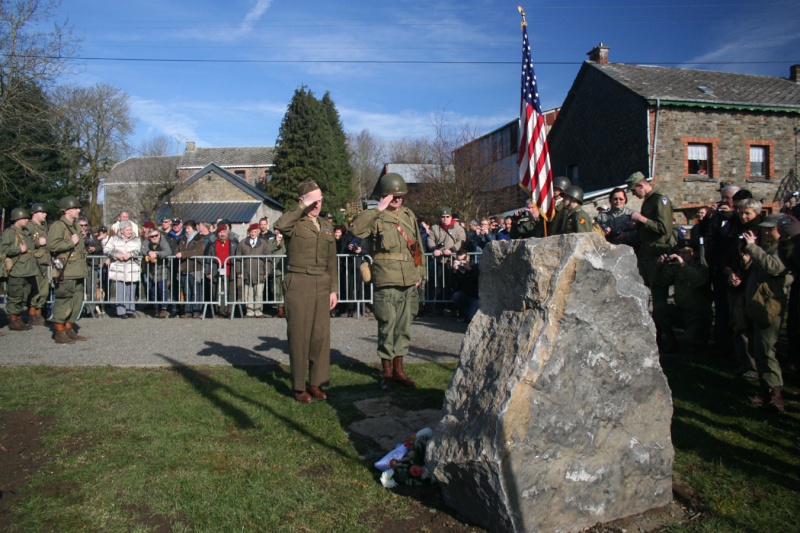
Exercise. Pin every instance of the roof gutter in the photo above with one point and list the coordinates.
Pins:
(654, 145)
(724, 105)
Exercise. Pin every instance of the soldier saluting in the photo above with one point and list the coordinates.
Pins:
(311, 288)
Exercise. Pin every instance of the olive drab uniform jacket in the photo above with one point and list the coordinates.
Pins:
(656, 234)
(393, 263)
(23, 264)
(576, 221)
(40, 252)
(59, 244)
(306, 252)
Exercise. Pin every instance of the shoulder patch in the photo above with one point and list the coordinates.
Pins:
(664, 201)
(582, 221)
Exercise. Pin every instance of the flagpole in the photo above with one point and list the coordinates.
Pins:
(532, 194)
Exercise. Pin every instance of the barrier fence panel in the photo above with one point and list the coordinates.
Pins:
(252, 282)
(188, 287)
(202, 286)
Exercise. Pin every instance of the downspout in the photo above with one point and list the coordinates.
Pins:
(655, 139)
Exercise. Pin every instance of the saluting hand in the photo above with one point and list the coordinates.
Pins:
(385, 201)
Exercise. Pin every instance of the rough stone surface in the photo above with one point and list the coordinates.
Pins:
(558, 416)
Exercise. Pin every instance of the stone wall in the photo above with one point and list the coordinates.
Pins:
(212, 188)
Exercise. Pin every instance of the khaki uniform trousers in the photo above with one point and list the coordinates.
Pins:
(69, 300)
(308, 328)
(394, 309)
(20, 291)
(39, 298)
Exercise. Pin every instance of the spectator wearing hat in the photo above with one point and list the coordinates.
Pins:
(685, 269)
(654, 224)
(252, 271)
(311, 288)
(765, 296)
(225, 245)
(166, 224)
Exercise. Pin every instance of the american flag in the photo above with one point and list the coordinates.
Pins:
(535, 175)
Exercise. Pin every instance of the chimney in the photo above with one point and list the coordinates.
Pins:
(190, 146)
(599, 54)
(793, 71)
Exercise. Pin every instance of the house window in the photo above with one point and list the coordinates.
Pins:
(759, 155)
(241, 173)
(699, 160)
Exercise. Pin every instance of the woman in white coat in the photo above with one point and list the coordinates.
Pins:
(124, 250)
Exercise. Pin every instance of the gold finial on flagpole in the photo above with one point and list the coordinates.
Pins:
(522, 12)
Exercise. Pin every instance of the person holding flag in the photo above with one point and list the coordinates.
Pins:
(535, 174)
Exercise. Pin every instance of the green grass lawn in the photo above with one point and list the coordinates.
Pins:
(226, 449)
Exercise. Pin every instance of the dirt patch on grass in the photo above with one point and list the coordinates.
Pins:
(20, 456)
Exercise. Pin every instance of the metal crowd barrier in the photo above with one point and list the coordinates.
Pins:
(241, 286)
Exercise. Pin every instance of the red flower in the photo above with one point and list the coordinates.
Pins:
(416, 470)
(392, 462)
(407, 444)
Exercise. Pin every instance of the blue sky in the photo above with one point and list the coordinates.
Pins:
(222, 73)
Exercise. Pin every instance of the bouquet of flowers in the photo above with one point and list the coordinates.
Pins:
(406, 463)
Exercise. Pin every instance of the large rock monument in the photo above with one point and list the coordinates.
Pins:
(558, 416)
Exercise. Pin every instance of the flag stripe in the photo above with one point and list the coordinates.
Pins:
(535, 174)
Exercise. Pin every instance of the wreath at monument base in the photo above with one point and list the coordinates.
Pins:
(406, 463)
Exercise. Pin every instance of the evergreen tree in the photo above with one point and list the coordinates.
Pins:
(30, 159)
(310, 146)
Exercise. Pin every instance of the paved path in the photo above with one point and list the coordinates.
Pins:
(150, 341)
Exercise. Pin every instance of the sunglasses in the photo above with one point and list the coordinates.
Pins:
(153, 237)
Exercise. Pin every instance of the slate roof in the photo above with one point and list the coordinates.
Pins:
(236, 212)
(686, 85)
(232, 156)
(143, 170)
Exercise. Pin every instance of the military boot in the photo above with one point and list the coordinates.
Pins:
(15, 323)
(386, 377)
(35, 317)
(72, 334)
(61, 336)
(399, 376)
(775, 401)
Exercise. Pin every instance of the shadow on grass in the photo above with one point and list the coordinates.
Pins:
(709, 402)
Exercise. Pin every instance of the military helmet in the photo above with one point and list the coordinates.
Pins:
(391, 183)
(573, 191)
(68, 202)
(561, 182)
(38, 207)
(18, 213)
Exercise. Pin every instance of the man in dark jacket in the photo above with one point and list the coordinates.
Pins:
(189, 247)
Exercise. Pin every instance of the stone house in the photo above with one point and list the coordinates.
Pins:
(141, 184)
(214, 193)
(690, 130)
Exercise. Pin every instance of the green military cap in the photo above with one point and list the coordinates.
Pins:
(445, 211)
(771, 221)
(634, 178)
(307, 187)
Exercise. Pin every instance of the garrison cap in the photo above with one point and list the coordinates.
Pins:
(634, 178)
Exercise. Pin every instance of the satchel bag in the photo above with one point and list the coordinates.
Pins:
(764, 307)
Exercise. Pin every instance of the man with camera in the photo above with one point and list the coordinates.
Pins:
(688, 273)
(465, 286)
(444, 240)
